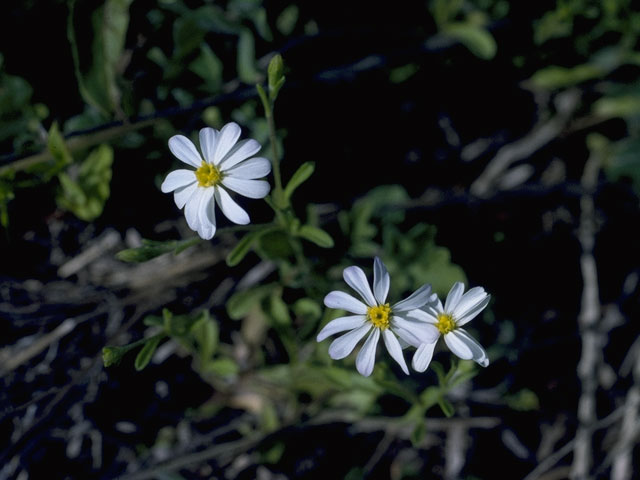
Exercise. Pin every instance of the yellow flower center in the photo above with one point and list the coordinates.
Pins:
(446, 323)
(208, 175)
(379, 315)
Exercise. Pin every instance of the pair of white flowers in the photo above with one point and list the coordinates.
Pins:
(417, 321)
(225, 164)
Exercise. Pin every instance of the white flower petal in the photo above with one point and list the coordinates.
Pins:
(344, 301)
(241, 151)
(230, 208)
(367, 355)
(458, 345)
(416, 300)
(185, 150)
(394, 349)
(422, 331)
(206, 229)
(208, 142)
(422, 316)
(381, 281)
(211, 212)
(251, 169)
(479, 353)
(178, 179)
(453, 297)
(247, 188)
(472, 311)
(341, 324)
(422, 357)
(191, 210)
(182, 195)
(356, 279)
(227, 138)
(344, 345)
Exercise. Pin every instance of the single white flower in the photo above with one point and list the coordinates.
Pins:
(447, 321)
(376, 318)
(225, 164)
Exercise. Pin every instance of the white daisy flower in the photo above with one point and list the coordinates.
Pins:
(376, 318)
(447, 321)
(225, 164)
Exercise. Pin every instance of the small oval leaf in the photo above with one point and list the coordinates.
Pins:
(316, 235)
(144, 356)
(299, 177)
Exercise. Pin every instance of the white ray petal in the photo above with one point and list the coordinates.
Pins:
(416, 300)
(458, 345)
(344, 345)
(178, 179)
(227, 138)
(208, 142)
(422, 316)
(230, 208)
(241, 151)
(206, 229)
(344, 301)
(422, 357)
(356, 279)
(381, 281)
(185, 150)
(471, 312)
(191, 210)
(395, 349)
(182, 195)
(247, 188)
(422, 331)
(251, 169)
(479, 353)
(453, 297)
(367, 355)
(341, 324)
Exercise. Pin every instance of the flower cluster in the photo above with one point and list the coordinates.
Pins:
(417, 321)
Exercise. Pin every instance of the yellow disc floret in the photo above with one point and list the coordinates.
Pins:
(208, 175)
(446, 323)
(380, 315)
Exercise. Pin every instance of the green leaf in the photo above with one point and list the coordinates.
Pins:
(6, 195)
(418, 433)
(622, 160)
(144, 356)
(206, 334)
(86, 195)
(554, 77)
(188, 35)
(222, 367)
(523, 401)
(279, 310)
(301, 175)
(447, 407)
(59, 151)
(307, 308)
(430, 396)
(246, 63)
(152, 248)
(209, 67)
(275, 245)
(477, 39)
(316, 235)
(99, 86)
(286, 21)
(245, 244)
(241, 303)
